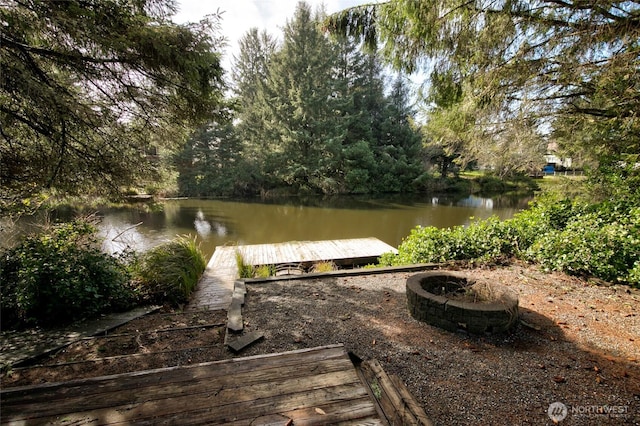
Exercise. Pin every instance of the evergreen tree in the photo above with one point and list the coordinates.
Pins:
(211, 163)
(313, 115)
(86, 84)
(250, 72)
(450, 121)
(399, 146)
(302, 108)
(360, 77)
(525, 65)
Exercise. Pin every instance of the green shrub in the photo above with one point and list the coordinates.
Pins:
(595, 245)
(487, 239)
(600, 240)
(490, 183)
(634, 274)
(423, 245)
(169, 273)
(59, 276)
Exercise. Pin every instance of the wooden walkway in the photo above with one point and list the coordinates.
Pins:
(215, 288)
(315, 386)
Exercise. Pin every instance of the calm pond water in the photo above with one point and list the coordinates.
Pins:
(220, 222)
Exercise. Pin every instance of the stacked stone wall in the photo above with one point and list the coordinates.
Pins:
(427, 302)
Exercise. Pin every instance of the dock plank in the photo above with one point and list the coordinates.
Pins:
(291, 384)
(332, 354)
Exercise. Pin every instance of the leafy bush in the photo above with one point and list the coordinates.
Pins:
(600, 240)
(168, 273)
(485, 240)
(423, 245)
(593, 244)
(59, 276)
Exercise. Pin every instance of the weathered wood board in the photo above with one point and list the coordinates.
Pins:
(341, 252)
(310, 386)
(398, 406)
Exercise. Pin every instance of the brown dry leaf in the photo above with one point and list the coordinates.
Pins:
(320, 411)
(559, 379)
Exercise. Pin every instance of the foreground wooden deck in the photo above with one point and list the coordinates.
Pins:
(215, 288)
(316, 386)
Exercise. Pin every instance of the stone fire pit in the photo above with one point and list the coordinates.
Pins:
(452, 301)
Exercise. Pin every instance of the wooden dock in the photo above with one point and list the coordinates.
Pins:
(216, 285)
(357, 251)
(315, 386)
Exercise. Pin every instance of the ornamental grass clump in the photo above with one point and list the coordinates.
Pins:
(244, 270)
(169, 273)
(264, 271)
(326, 266)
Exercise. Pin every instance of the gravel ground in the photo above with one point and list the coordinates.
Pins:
(580, 345)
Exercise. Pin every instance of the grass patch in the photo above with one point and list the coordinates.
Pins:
(568, 186)
(321, 267)
(244, 270)
(264, 271)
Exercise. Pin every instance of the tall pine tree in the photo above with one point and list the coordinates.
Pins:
(399, 145)
(302, 115)
(250, 72)
(359, 81)
(212, 163)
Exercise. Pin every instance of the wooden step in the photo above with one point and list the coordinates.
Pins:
(316, 386)
(395, 401)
